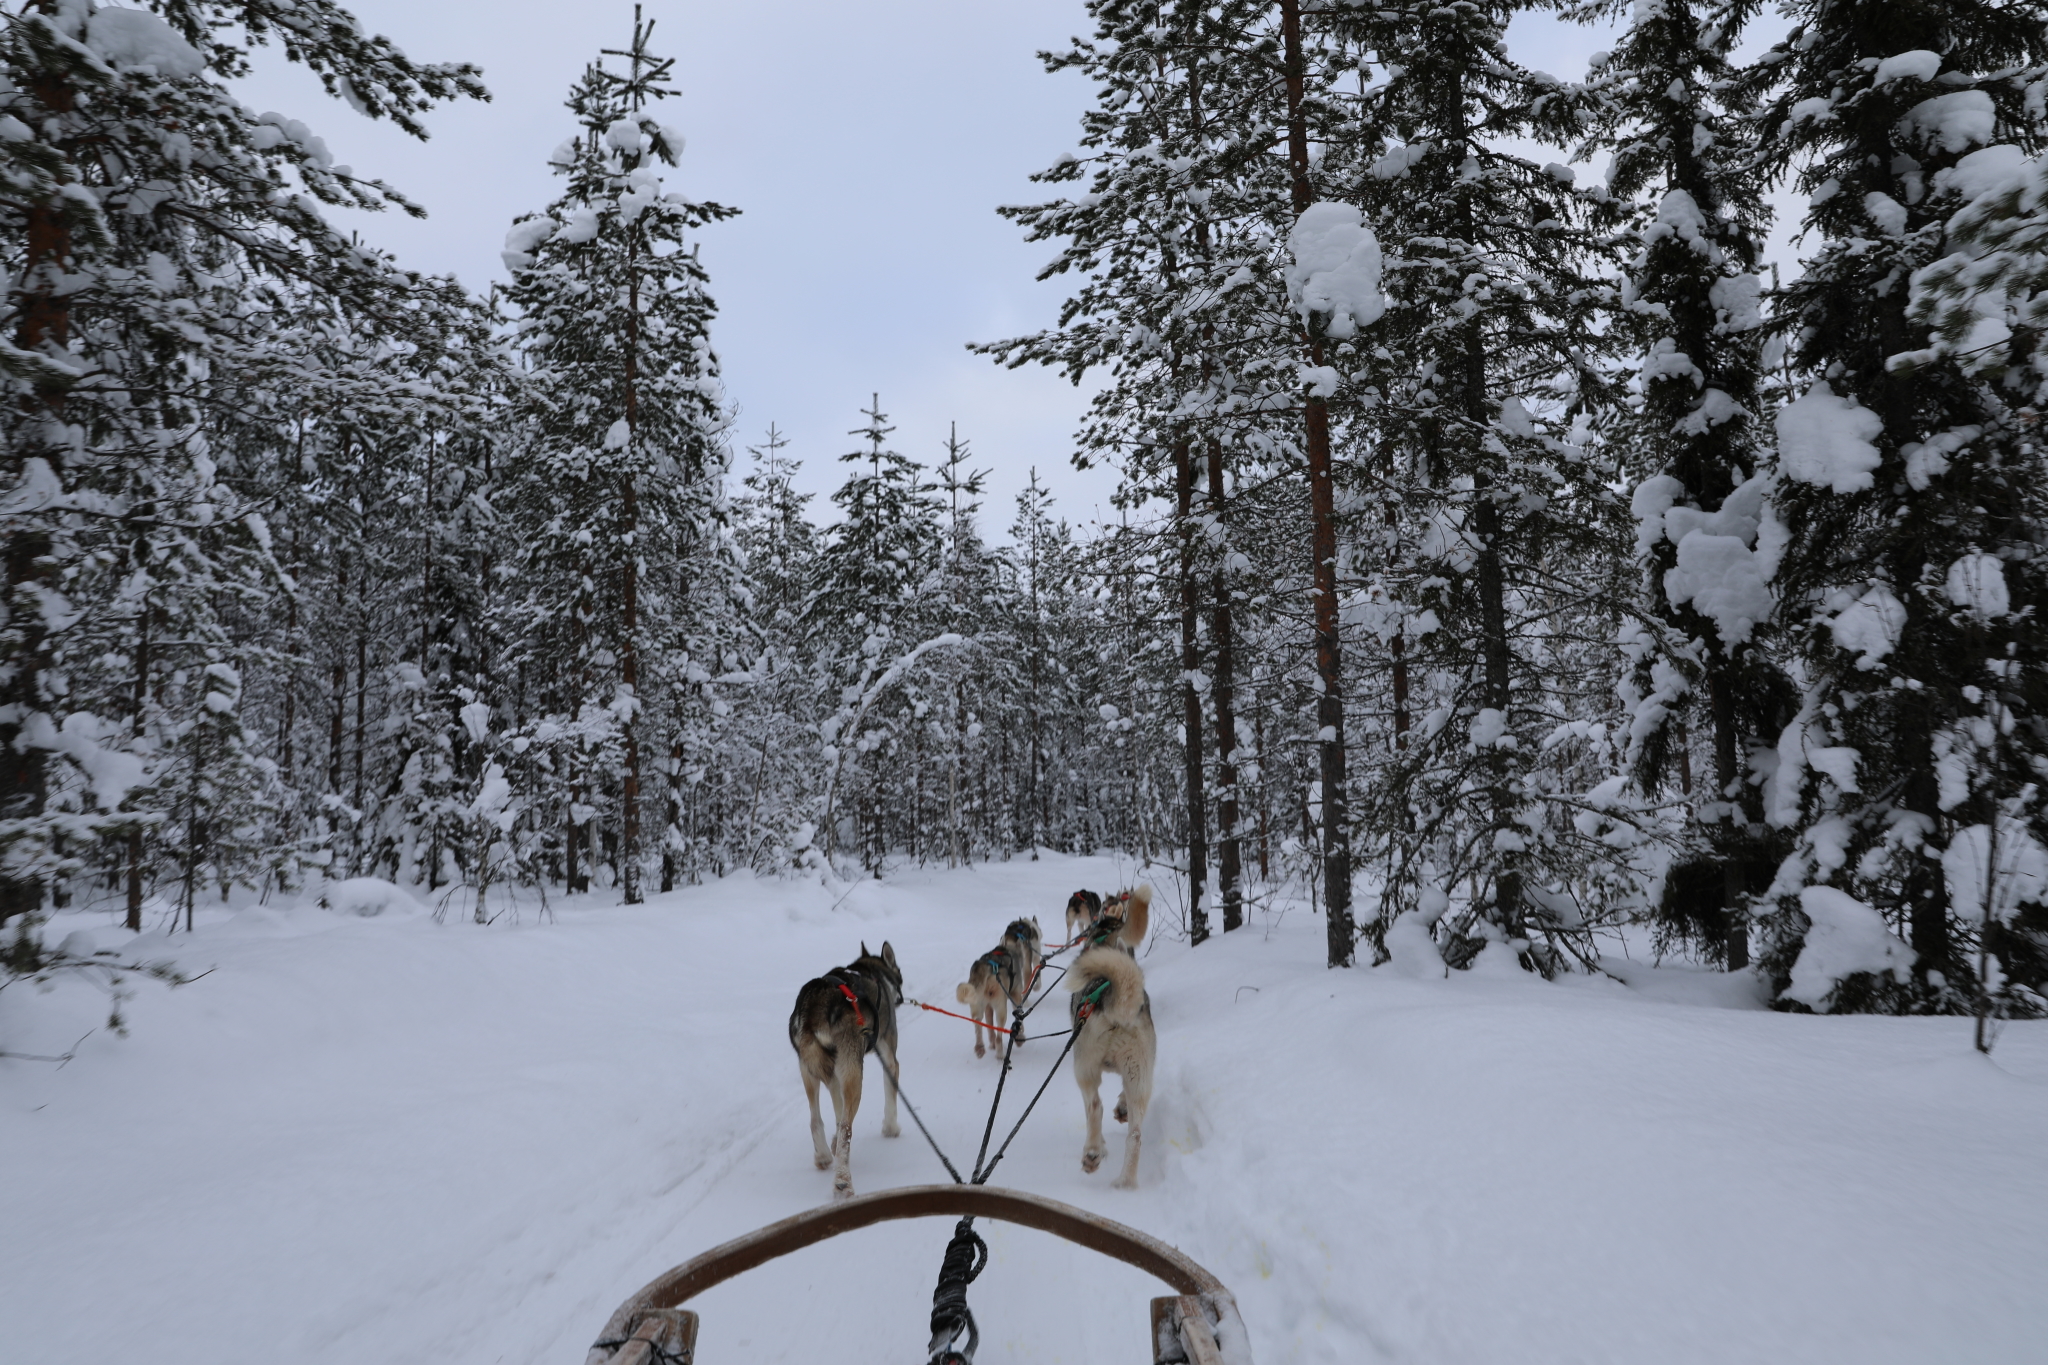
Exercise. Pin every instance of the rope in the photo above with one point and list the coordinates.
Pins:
(897, 1084)
(951, 1318)
(981, 1176)
(950, 1015)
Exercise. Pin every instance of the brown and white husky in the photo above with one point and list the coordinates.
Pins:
(1002, 978)
(1110, 918)
(1112, 1017)
(839, 1018)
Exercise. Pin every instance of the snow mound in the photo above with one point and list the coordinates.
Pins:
(1845, 939)
(1826, 440)
(1336, 268)
(1411, 948)
(369, 897)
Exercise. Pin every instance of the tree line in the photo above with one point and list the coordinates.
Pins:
(1502, 553)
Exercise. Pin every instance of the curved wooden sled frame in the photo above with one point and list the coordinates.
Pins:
(1197, 1324)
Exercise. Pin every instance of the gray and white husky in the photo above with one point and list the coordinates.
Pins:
(1002, 978)
(1112, 1018)
(839, 1018)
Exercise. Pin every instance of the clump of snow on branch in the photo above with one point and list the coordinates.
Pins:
(1847, 938)
(1336, 268)
(1825, 439)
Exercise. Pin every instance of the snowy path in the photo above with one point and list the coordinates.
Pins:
(394, 1141)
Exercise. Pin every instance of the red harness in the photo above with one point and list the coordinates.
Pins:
(853, 1000)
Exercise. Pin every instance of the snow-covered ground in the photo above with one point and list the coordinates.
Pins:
(390, 1140)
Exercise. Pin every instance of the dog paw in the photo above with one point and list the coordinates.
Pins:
(1124, 1183)
(1123, 1114)
(980, 1051)
(1091, 1161)
(892, 1129)
(824, 1160)
(842, 1190)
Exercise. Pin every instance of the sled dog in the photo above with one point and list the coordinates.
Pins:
(1118, 920)
(839, 1018)
(1112, 1018)
(1001, 978)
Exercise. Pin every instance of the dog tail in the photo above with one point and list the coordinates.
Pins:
(1126, 981)
(962, 991)
(1137, 916)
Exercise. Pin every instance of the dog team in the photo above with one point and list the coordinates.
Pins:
(850, 1011)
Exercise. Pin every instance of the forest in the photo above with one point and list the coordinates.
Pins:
(1504, 553)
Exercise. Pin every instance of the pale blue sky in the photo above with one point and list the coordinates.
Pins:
(868, 145)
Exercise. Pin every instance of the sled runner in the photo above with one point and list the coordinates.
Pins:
(1197, 1324)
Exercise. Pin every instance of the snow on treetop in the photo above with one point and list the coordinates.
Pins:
(1952, 122)
(131, 39)
(1988, 171)
(1826, 440)
(1918, 65)
(1336, 268)
(1976, 583)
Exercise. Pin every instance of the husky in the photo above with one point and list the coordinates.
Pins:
(1084, 907)
(1104, 919)
(839, 1018)
(1001, 978)
(1113, 1031)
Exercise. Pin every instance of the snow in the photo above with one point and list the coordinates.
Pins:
(1739, 301)
(1847, 938)
(367, 897)
(1336, 268)
(1976, 583)
(133, 39)
(1988, 171)
(1917, 65)
(2022, 870)
(1826, 440)
(1952, 122)
(396, 1140)
(1725, 564)
(1870, 626)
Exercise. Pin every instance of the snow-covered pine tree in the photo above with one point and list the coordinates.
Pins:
(1490, 346)
(161, 239)
(1691, 199)
(865, 617)
(618, 492)
(1180, 311)
(1896, 484)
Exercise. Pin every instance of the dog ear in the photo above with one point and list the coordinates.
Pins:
(864, 949)
(888, 953)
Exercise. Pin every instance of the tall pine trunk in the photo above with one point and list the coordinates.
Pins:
(1191, 697)
(1222, 688)
(1323, 549)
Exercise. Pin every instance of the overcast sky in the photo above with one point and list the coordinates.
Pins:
(867, 145)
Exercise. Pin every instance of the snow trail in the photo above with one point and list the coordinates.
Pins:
(387, 1139)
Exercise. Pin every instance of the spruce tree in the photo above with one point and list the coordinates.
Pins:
(1893, 472)
(1694, 444)
(170, 264)
(619, 488)
(1489, 351)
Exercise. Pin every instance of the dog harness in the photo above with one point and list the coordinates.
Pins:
(1091, 999)
(853, 1000)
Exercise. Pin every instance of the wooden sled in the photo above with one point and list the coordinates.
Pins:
(1197, 1324)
